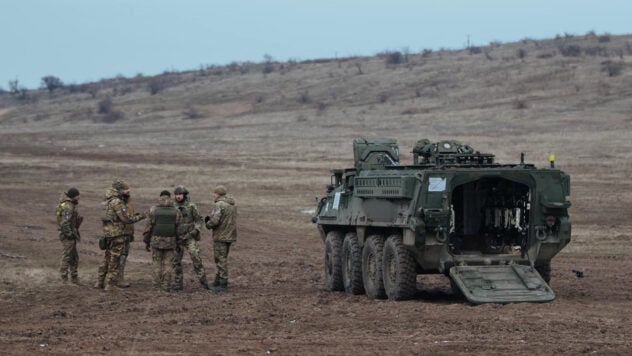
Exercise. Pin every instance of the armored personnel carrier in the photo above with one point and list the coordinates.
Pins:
(491, 228)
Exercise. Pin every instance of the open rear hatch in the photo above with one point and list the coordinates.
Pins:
(501, 284)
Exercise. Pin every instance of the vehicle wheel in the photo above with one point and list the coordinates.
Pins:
(352, 264)
(399, 273)
(544, 269)
(333, 261)
(372, 267)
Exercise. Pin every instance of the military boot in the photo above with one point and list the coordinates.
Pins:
(121, 282)
(74, 280)
(205, 284)
(222, 286)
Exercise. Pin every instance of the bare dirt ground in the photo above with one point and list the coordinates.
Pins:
(276, 302)
(272, 140)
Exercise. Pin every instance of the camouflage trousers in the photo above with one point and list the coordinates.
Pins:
(69, 258)
(220, 250)
(110, 265)
(162, 267)
(124, 254)
(191, 246)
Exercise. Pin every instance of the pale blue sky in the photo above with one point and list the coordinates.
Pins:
(87, 40)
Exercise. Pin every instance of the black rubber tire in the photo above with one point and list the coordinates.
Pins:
(333, 261)
(372, 253)
(399, 272)
(544, 269)
(352, 264)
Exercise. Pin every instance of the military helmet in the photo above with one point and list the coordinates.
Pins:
(180, 190)
(119, 184)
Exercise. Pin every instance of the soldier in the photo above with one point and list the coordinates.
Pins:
(223, 222)
(128, 235)
(189, 236)
(69, 220)
(161, 234)
(114, 215)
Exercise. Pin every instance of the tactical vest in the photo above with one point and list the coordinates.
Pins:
(165, 225)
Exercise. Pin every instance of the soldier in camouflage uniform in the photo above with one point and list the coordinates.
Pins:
(189, 236)
(69, 220)
(128, 235)
(161, 234)
(114, 215)
(223, 222)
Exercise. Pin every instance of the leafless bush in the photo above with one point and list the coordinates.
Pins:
(596, 51)
(105, 106)
(520, 104)
(51, 83)
(304, 98)
(268, 66)
(570, 50)
(112, 117)
(394, 58)
(193, 113)
(545, 55)
(521, 53)
(382, 98)
(359, 68)
(321, 106)
(156, 85)
(426, 52)
(613, 69)
(474, 50)
(604, 38)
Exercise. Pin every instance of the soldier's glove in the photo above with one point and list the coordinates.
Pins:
(77, 235)
(79, 221)
(147, 246)
(207, 219)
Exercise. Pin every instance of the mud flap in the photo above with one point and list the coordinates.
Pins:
(501, 284)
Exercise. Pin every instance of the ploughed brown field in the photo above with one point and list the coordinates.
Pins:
(272, 140)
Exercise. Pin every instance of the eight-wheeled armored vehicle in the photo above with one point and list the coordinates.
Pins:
(491, 228)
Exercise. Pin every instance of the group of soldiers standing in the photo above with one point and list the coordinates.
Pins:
(172, 227)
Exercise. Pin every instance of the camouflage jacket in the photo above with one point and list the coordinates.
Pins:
(191, 220)
(223, 220)
(115, 214)
(68, 218)
(161, 242)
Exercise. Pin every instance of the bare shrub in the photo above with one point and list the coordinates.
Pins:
(474, 50)
(545, 55)
(268, 65)
(51, 83)
(193, 113)
(520, 104)
(394, 58)
(359, 68)
(105, 106)
(613, 69)
(570, 50)
(112, 117)
(426, 52)
(382, 98)
(521, 53)
(604, 38)
(156, 85)
(321, 106)
(304, 98)
(596, 51)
